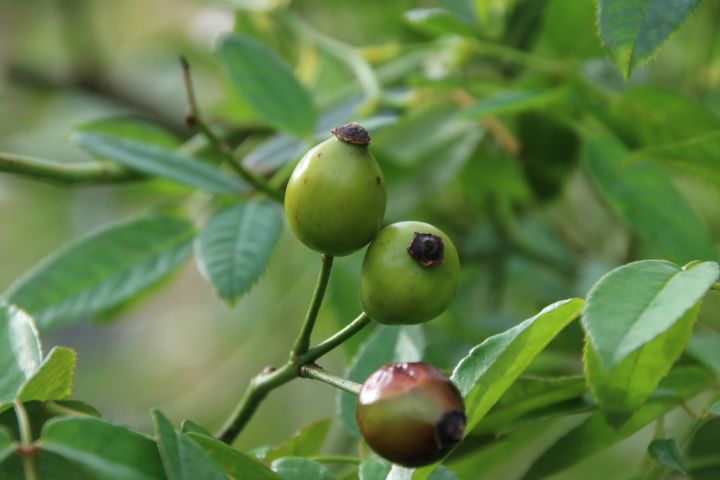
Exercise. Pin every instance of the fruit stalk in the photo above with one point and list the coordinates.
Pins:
(317, 373)
(302, 344)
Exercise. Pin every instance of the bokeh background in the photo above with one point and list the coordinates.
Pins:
(183, 350)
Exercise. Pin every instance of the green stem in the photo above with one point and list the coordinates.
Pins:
(347, 54)
(338, 339)
(317, 373)
(27, 448)
(302, 344)
(194, 120)
(68, 174)
(338, 459)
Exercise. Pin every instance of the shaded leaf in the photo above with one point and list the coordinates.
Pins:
(571, 39)
(131, 128)
(232, 461)
(438, 21)
(268, 85)
(103, 269)
(705, 347)
(645, 197)
(236, 244)
(666, 452)
(513, 101)
(55, 378)
(387, 344)
(49, 467)
(183, 459)
(634, 30)
(154, 160)
(20, 351)
(296, 468)
(105, 450)
(306, 442)
(7, 445)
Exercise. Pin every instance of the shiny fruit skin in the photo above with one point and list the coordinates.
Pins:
(397, 289)
(410, 413)
(335, 199)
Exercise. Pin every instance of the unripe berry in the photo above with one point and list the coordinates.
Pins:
(410, 413)
(409, 274)
(335, 198)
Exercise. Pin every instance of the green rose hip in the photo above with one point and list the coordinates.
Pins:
(410, 413)
(335, 199)
(409, 274)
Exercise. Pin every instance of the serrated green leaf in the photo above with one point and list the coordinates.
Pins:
(705, 347)
(20, 351)
(438, 21)
(296, 468)
(305, 443)
(594, 434)
(182, 458)
(268, 85)
(159, 161)
(107, 451)
(54, 379)
(236, 244)
(102, 270)
(387, 344)
(513, 101)
(634, 30)
(491, 367)
(698, 156)
(667, 453)
(622, 389)
(637, 302)
(645, 197)
(232, 461)
(7, 445)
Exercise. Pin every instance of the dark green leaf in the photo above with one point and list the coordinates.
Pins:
(438, 21)
(105, 450)
(49, 467)
(571, 38)
(183, 459)
(305, 443)
(7, 445)
(296, 468)
(594, 434)
(634, 30)
(491, 367)
(666, 452)
(102, 270)
(54, 379)
(189, 426)
(155, 160)
(236, 244)
(648, 201)
(268, 85)
(635, 303)
(387, 344)
(232, 461)
(20, 351)
(513, 101)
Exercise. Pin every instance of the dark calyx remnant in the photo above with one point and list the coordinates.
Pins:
(449, 430)
(353, 133)
(427, 249)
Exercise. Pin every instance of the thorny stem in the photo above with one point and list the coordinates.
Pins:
(194, 120)
(303, 341)
(27, 448)
(317, 373)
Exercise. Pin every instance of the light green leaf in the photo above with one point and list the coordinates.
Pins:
(236, 244)
(637, 302)
(20, 351)
(387, 344)
(102, 270)
(634, 30)
(645, 197)
(464, 9)
(438, 21)
(667, 453)
(54, 379)
(491, 367)
(232, 461)
(296, 468)
(305, 443)
(107, 451)
(131, 128)
(7, 445)
(268, 85)
(594, 434)
(698, 156)
(183, 459)
(374, 468)
(513, 101)
(705, 347)
(159, 161)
